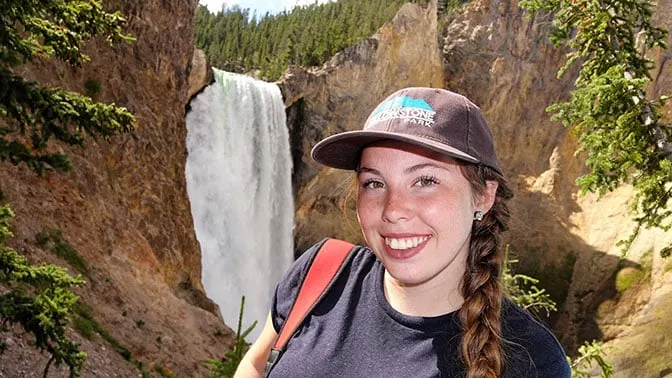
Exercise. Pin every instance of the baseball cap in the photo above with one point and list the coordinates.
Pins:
(432, 118)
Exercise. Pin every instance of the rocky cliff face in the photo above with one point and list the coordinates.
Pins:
(339, 96)
(124, 207)
(501, 58)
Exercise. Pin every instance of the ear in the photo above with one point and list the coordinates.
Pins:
(485, 200)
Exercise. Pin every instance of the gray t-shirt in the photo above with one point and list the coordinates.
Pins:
(355, 332)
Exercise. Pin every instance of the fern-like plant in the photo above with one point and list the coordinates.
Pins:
(228, 365)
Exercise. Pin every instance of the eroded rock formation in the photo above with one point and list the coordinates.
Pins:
(124, 207)
(339, 96)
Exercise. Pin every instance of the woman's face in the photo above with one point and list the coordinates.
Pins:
(416, 210)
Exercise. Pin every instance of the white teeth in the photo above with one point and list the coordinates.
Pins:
(405, 243)
(392, 243)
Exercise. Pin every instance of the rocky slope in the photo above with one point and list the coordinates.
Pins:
(124, 207)
(339, 96)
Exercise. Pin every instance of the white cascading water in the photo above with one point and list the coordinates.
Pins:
(239, 185)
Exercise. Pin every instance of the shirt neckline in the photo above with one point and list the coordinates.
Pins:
(446, 323)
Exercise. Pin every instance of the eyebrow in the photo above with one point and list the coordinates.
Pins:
(410, 169)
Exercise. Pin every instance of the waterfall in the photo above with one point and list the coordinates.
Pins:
(239, 184)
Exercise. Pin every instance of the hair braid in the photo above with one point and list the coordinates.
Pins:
(481, 347)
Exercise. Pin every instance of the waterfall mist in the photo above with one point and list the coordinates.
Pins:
(239, 184)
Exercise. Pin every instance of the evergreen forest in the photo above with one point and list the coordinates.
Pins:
(236, 40)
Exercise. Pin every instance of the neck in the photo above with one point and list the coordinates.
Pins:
(438, 296)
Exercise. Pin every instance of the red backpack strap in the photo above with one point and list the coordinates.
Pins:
(322, 273)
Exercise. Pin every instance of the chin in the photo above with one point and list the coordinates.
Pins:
(406, 277)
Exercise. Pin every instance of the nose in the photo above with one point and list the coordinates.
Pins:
(396, 207)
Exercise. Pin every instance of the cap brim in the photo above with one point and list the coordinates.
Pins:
(342, 150)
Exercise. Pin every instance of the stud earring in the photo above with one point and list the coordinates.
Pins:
(478, 215)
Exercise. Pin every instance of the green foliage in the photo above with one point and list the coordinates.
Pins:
(92, 88)
(33, 114)
(85, 323)
(668, 267)
(235, 41)
(53, 239)
(84, 327)
(590, 353)
(618, 128)
(522, 289)
(628, 277)
(40, 299)
(5, 214)
(227, 367)
(666, 252)
(447, 6)
(164, 371)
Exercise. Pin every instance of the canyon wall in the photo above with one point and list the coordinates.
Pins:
(339, 96)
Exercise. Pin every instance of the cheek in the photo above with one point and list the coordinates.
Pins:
(448, 211)
(366, 210)
(366, 217)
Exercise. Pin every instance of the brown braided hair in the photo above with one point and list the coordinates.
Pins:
(481, 347)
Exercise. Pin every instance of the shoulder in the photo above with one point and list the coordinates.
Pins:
(532, 350)
(286, 290)
(294, 276)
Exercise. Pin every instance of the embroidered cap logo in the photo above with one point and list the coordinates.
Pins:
(405, 108)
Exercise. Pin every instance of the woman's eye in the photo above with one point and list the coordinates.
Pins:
(372, 184)
(427, 181)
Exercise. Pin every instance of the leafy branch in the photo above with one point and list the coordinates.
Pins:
(33, 114)
(618, 128)
(590, 353)
(40, 300)
(522, 289)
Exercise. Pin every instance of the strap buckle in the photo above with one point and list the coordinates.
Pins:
(273, 358)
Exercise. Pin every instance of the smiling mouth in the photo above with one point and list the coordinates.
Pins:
(401, 244)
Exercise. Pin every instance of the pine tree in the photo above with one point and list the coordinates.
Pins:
(33, 114)
(618, 128)
(306, 36)
(40, 300)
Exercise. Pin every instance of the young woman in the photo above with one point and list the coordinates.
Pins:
(424, 297)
